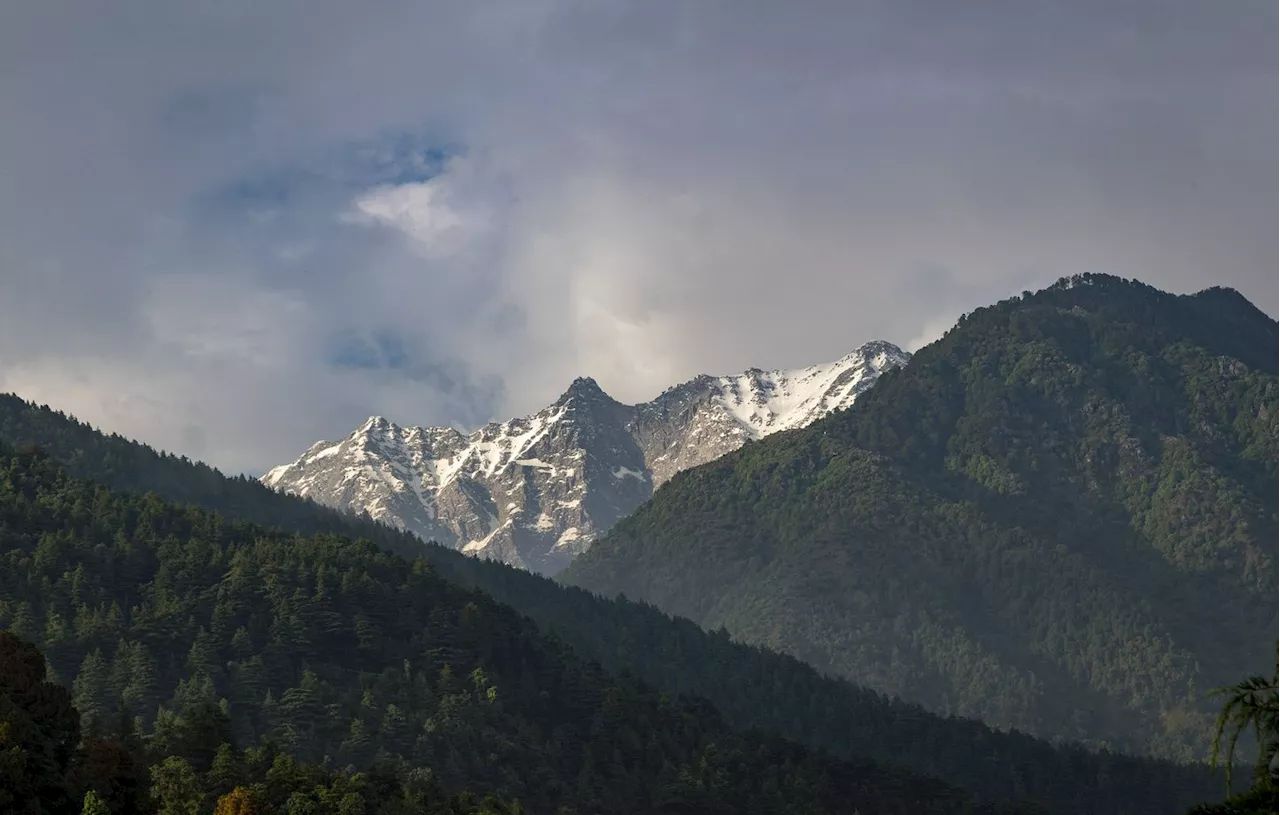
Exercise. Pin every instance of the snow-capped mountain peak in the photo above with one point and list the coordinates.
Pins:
(765, 402)
(536, 490)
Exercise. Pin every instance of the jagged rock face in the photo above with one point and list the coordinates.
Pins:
(535, 491)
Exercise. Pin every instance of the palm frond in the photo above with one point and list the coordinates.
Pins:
(1251, 704)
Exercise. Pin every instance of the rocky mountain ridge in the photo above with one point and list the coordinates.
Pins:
(535, 491)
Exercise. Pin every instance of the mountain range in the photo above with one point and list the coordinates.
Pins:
(535, 491)
(1060, 517)
(753, 688)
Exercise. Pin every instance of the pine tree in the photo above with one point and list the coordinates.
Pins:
(94, 805)
(89, 688)
(175, 787)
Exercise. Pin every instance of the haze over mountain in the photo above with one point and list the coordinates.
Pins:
(536, 491)
(1060, 517)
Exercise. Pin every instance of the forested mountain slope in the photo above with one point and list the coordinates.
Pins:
(219, 633)
(750, 686)
(1060, 517)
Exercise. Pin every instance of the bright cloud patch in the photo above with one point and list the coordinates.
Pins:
(433, 214)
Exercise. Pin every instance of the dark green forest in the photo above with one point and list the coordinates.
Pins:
(170, 622)
(1060, 517)
(49, 765)
(750, 686)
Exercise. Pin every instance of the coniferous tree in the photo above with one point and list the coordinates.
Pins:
(94, 805)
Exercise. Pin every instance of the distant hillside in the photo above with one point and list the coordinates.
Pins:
(1061, 517)
(751, 687)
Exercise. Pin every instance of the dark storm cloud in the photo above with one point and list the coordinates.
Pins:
(202, 201)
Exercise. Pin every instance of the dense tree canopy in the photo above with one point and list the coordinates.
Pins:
(48, 769)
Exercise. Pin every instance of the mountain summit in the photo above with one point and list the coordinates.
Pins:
(535, 491)
(1059, 518)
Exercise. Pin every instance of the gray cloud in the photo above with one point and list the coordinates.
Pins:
(210, 211)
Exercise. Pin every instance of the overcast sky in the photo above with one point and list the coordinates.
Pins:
(233, 227)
